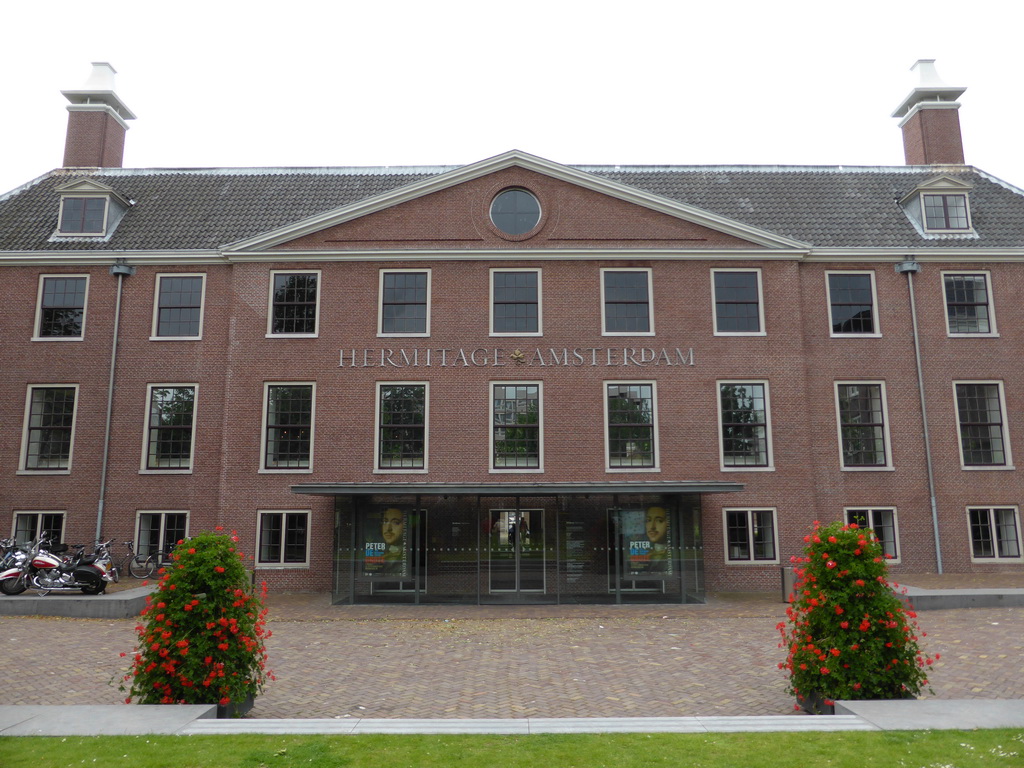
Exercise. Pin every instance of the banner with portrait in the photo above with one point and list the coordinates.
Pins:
(385, 543)
(647, 537)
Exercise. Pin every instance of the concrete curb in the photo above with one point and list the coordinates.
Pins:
(117, 605)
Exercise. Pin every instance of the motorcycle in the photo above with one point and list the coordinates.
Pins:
(44, 569)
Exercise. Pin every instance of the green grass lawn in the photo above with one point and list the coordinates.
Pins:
(893, 749)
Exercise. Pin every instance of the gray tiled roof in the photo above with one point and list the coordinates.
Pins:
(199, 209)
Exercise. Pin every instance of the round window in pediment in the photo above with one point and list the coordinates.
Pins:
(515, 211)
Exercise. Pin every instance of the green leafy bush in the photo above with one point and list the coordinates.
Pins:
(848, 635)
(203, 631)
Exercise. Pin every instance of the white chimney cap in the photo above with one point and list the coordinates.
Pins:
(98, 92)
(932, 89)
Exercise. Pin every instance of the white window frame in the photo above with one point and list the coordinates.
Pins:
(748, 511)
(875, 319)
(650, 301)
(377, 468)
(869, 512)
(262, 565)
(945, 230)
(23, 468)
(1008, 454)
(540, 428)
(263, 468)
(655, 444)
(760, 303)
(888, 466)
(102, 233)
(540, 302)
(144, 468)
(163, 526)
(270, 304)
(154, 331)
(38, 514)
(380, 303)
(996, 557)
(36, 335)
(993, 331)
(769, 447)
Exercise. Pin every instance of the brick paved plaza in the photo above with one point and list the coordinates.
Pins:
(516, 661)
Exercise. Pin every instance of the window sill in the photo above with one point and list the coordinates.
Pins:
(740, 333)
(619, 470)
(855, 335)
(292, 335)
(953, 335)
(175, 338)
(282, 566)
(986, 468)
(748, 563)
(516, 470)
(57, 338)
(152, 471)
(770, 468)
(34, 472)
(888, 468)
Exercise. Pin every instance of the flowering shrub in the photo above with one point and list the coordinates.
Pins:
(848, 635)
(203, 631)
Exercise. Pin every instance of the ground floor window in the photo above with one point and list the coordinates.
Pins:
(284, 538)
(995, 533)
(750, 535)
(883, 522)
(28, 525)
(160, 531)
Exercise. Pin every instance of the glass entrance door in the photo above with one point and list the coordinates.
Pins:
(516, 550)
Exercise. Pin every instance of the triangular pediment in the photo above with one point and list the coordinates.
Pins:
(450, 210)
(938, 185)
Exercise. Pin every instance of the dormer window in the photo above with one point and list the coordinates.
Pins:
(940, 207)
(83, 215)
(944, 213)
(88, 209)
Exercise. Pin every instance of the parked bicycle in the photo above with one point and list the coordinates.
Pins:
(159, 559)
(134, 563)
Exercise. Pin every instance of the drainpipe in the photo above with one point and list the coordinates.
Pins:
(909, 267)
(120, 269)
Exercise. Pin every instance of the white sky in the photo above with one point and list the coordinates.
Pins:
(223, 83)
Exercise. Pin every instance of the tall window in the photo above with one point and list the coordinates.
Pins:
(995, 533)
(745, 425)
(402, 426)
(862, 427)
(516, 426)
(288, 432)
(160, 531)
(981, 416)
(945, 212)
(170, 427)
(515, 302)
(49, 428)
(750, 535)
(737, 301)
(83, 215)
(631, 426)
(179, 307)
(852, 303)
(626, 298)
(968, 304)
(882, 522)
(29, 525)
(293, 303)
(61, 307)
(283, 538)
(404, 303)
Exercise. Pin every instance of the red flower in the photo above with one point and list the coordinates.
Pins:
(218, 569)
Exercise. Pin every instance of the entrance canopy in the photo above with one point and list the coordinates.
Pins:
(513, 489)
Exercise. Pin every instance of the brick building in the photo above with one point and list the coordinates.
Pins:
(516, 380)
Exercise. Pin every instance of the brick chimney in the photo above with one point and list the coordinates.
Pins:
(931, 123)
(96, 123)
